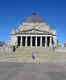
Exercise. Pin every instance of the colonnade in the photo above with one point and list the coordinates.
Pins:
(37, 41)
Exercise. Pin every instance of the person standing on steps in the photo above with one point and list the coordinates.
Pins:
(33, 57)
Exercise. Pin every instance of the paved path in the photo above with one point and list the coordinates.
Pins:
(29, 71)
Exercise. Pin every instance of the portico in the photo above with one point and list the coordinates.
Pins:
(34, 41)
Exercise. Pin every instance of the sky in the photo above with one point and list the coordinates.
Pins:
(14, 12)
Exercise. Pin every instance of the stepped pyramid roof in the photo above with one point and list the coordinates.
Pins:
(34, 18)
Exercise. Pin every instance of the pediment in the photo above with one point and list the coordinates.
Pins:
(34, 31)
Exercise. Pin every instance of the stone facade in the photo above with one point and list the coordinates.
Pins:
(34, 33)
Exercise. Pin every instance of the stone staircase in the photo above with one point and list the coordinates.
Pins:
(29, 51)
(40, 53)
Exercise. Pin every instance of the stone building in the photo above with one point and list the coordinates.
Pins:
(34, 32)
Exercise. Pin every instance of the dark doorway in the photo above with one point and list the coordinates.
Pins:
(19, 40)
(38, 41)
(43, 41)
(23, 40)
(33, 41)
(48, 41)
(28, 41)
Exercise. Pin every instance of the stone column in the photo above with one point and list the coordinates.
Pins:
(26, 42)
(50, 41)
(46, 41)
(21, 41)
(36, 41)
(31, 41)
(41, 41)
